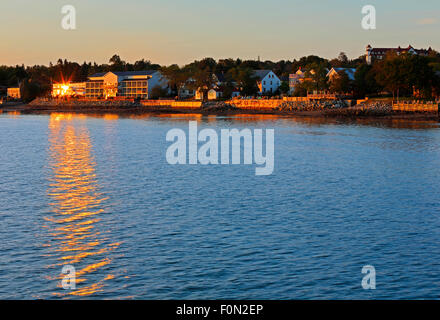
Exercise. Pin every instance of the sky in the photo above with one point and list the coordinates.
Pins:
(181, 31)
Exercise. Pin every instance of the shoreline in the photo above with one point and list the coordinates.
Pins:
(139, 110)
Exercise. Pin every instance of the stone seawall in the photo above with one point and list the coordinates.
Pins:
(255, 103)
(60, 103)
(172, 104)
(416, 107)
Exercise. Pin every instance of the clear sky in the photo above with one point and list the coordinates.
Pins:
(180, 31)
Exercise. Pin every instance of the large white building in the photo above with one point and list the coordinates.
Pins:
(267, 81)
(130, 84)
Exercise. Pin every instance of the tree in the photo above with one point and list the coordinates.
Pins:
(228, 86)
(406, 73)
(343, 58)
(202, 80)
(117, 64)
(177, 77)
(319, 75)
(390, 73)
(245, 79)
(143, 64)
(421, 76)
(365, 81)
(436, 86)
(158, 92)
(302, 88)
(30, 90)
(340, 83)
(284, 87)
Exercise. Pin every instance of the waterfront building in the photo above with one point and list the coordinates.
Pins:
(380, 53)
(14, 93)
(186, 92)
(68, 89)
(129, 84)
(217, 93)
(218, 90)
(299, 77)
(267, 81)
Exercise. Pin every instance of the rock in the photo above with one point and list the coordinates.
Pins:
(311, 105)
(217, 106)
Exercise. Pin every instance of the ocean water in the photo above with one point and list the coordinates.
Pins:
(96, 193)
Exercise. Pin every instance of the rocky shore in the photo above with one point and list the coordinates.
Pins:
(312, 105)
(82, 104)
(326, 109)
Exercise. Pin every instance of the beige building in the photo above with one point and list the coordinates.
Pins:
(130, 84)
(14, 93)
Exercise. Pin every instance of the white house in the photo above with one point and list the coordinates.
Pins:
(130, 84)
(217, 91)
(267, 81)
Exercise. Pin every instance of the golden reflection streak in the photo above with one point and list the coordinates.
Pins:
(76, 205)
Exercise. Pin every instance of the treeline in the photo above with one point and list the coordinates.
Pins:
(238, 74)
(400, 75)
(37, 80)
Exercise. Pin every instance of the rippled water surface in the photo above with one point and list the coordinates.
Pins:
(96, 192)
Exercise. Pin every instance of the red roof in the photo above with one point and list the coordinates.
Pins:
(400, 50)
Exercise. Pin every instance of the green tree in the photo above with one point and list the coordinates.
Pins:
(284, 87)
(177, 77)
(340, 83)
(365, 81)
(202, 80)
(302, 88)
(406, 73)
(317, 71)
(117, 64)
(158, 92)
(245, 79)
(30, 90)
(391, 74)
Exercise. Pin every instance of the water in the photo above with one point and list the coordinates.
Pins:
(96, 192)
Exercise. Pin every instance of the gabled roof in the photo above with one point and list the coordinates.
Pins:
(261, 74)
(349, 71)
(125, 73)
(302, 70)
(220, 77)
(398, 49)
(98, 75)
